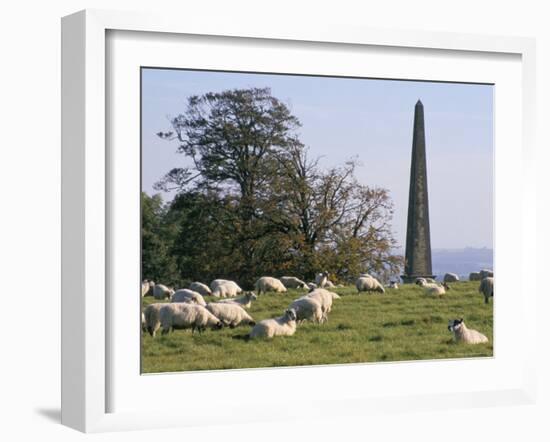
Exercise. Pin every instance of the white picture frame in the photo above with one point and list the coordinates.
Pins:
(87, 210)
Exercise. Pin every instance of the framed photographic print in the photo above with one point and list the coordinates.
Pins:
(254, 210)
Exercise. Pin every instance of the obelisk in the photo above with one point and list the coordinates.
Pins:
(418, 253)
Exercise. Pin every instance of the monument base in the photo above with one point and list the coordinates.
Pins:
(408, 279)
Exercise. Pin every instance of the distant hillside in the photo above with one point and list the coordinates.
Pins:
(461, 261)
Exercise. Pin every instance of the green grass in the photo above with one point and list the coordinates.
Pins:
(399, 325)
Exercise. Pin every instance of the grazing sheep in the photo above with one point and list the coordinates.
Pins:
(146, 288)
(308, 309)
(464, 334)
(218, 282)
(485, 273)
(152, 317)
(325, 298)
(282, 326)
(181, 315)
(230, 314)
(186, 295)
(475, 276)
(201, 288)
(368, 285)
(321, 279)
(486, 288)
(268, 284)
(160, 291)
(291, 282)
(226, 289)
(450, 277)
(244, 301)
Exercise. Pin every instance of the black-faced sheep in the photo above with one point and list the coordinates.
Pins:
(179, 315)
(186, 295)
(486, 288)
(268, 284)
(370, 284)
(291, 282)
(321, 279)
(282, 326)
(230, 314)
(464, 334)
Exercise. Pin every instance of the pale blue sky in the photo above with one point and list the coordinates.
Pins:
(371, 119)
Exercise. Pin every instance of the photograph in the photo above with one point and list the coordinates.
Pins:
(303, 220)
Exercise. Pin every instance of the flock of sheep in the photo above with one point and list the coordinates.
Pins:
(187, 308)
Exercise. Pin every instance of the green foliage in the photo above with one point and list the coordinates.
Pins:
(255, 204)
(399, 325)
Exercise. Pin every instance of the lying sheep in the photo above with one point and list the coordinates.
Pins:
(393, 285)
(282, 326)
(420, 281)
(180, 315)
(152, 317)
(464, 334)
(308, 309)
(230, 314)
(201, 288)
(268, 284)
(364, 284)
(450, 277)
(434, 289)
(244, 301)
(226, 289)
(475, 276)
(160, 291)
(485, 273)
(186, 295)
(486, 288)
(321, 279)
(291, 282)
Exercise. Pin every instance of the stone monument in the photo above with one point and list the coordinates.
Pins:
(418, 253)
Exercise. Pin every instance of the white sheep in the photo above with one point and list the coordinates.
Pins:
(464, 334)
(486, 288)
(364, 284)
(485, 273)
(225, 289)
(152, 317)
(321, 279)
(291, 282)
(282, 326)
(160, 291)
(146, 288)
(364, 275)
(308, 309)
(450, 277)
(325, 298)
(143, 323)
(475, 276)
(230, 314)
(431, 280)
(186, 295)
(434, 289)
(181, 315)
(244, 301)
(420, 281)
(201, 288)
(268, 284)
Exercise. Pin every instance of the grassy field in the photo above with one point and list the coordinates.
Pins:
(399, 325)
